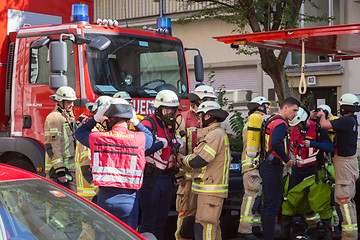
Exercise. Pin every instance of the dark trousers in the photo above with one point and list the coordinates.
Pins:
(155, 198)
(299, 173)
(120, 202)
(271, 175)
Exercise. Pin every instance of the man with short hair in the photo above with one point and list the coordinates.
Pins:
(271, 168)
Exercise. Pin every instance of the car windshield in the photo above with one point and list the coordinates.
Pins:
(35, 209)
(138, 65)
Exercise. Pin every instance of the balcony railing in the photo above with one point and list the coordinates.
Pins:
(132, 9)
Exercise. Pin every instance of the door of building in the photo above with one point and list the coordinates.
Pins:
(321, 95)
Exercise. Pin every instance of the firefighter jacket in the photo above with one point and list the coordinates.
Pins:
(304, 156)
(59, 140)
(213, 147)
(268, 133)
(84, 179)
(162, 159)
(247, 163)
(188, 124)
(118, 158)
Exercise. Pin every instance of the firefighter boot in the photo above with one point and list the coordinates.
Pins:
(286, 224)
(327, 228)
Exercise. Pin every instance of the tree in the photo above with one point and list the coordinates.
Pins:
(260, 15)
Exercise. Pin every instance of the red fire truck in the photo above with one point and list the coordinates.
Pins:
(94, 59)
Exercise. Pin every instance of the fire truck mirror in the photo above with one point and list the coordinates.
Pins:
(56, 81)
(58, 57)
(199, 68)
(80, 39)
(40, 42)
(99, 43)
(81, 102)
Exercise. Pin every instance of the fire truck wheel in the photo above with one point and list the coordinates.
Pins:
(21, 163)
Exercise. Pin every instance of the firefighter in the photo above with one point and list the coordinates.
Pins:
(249, 216)
(118, 158)
(345, 161)
(210, 162)
(59, 139)
(84, 180)
(188, 123)
(308, 189)
(271, 169)
(157, 191)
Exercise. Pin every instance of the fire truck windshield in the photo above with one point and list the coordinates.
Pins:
(138, 65)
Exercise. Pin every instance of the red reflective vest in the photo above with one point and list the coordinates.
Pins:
(162, 159)
(118, 158)
(304, 156)
(191, 124)
(268, 133)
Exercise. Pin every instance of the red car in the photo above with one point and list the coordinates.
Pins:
(32, 207)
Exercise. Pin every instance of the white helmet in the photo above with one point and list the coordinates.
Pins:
(123, 95)
(201, 92)
(257, 102)
(325, 107)
(301, 116)
(92, 107)
(214, 109)
(349, 99)
(64, 93)
(166, 98)
(119, 108)
(260, 100)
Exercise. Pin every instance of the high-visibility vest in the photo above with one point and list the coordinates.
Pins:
(304, 156)
(164, 160)
(118, 158)
(268, 134)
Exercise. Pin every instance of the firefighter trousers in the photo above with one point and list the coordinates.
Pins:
(208, 216)
(346, 172)
(185, 205)
(250, 202)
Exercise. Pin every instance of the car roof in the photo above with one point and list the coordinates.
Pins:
(10, 173)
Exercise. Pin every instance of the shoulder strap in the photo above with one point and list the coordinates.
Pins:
(153, 124)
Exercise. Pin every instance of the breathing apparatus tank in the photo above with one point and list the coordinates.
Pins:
(331, 131)
(253, 135)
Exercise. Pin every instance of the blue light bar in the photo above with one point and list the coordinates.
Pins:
(79, 12)
(164, 23)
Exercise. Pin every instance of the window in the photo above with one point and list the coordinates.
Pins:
(330, 8)
(39, 65)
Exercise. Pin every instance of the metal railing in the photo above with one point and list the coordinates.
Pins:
(132, 9)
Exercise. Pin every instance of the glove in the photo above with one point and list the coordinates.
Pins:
(165, 142)
(179, 140)
(134, 120)
(99, 116)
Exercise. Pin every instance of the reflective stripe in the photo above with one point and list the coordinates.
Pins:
(209, 188)
(190, 131)
(248, 205)
(178, 228)
(86, 192)
(227, 161)
(66, 139)
(257, 220)
(186, 160)
(210, 150)
(248, 219)
(209, 228)
(315, 216)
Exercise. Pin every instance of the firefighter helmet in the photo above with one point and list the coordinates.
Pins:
(349, 99)
(119, 108)
(301, 117)
(201, 92)
(122, 94)
(257, 102)
(213, 109)
(166, 98)
(64, 93)
(92, 107)
(325, 107)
